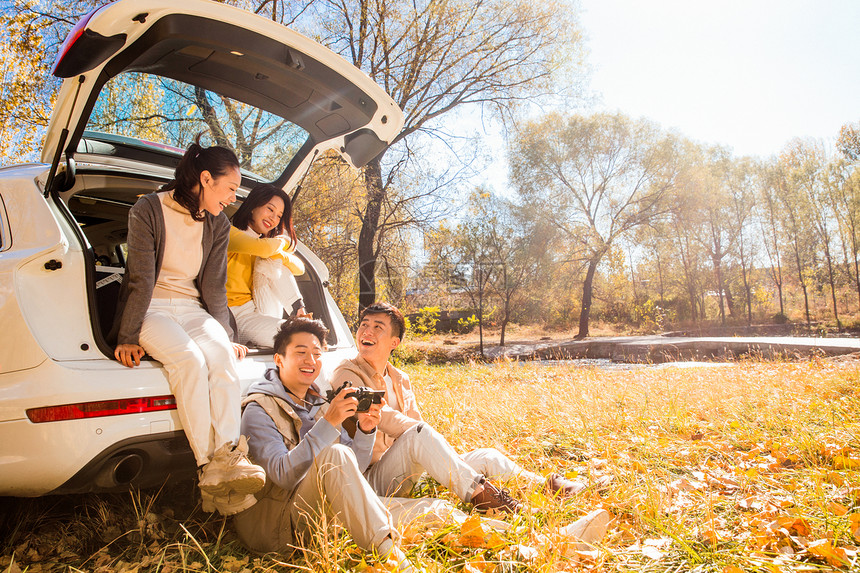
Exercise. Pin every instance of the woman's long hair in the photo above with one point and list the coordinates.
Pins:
(259, 196)
(197, 159)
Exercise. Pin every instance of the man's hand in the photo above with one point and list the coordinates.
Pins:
(241, 350)
(341, 407)
(367, 421)
(129, 354)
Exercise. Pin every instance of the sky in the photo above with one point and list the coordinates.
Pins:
(747, 74)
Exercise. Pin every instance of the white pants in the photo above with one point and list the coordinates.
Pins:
(497, 466)
(335, 488)
(253, 327)
(198, 356)
(420, 449)
(274, 289)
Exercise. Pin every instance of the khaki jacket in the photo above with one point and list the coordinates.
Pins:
(266, 526)
(394, 422)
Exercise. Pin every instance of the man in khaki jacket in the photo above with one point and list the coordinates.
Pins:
(406, 446)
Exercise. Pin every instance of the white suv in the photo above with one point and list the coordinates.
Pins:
(141, 79)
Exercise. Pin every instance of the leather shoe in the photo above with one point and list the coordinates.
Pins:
(492, 497)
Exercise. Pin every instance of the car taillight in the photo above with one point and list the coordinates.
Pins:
(85, 49)
(100, 409)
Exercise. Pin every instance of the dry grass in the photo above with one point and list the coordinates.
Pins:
(748, 467)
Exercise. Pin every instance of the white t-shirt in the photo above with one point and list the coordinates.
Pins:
(183, 252)
(389, 387)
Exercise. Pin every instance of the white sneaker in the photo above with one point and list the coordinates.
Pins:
(231, 471)
(589, 529)
(229, 504)
(388, 551)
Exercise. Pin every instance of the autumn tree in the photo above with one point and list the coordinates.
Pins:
(742, 185)
(804, 163)
(799, 233)
(770, 224)
(435, 57)
(844, 183)
(592, 180)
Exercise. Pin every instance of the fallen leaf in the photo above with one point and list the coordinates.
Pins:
(835, 556)
(846, 462)
(472, 532)
(836, 508)
(854, 525)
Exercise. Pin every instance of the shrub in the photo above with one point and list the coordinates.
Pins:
(780, 318)
(465, 325)
(425, 323)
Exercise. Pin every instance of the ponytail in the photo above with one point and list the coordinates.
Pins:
(185, 185)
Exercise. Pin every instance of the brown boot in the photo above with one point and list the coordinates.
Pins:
(558, 486)
(492, 497)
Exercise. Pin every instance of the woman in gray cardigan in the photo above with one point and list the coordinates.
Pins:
(173, 306)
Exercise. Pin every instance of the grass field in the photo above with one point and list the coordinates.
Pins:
(748, 467)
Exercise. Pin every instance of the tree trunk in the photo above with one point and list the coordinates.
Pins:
(587, 289)
(854, 252)
(832, 285)
(505, 319)
(718, 269)
(802, 283)
(747, 291)
(367, 235)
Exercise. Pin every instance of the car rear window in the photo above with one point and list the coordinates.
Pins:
(168, 114)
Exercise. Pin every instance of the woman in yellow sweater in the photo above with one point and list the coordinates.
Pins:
(261, 262)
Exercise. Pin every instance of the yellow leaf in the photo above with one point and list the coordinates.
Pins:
(472, 532)
(710, 537)
(846, 462)
(835, 556)
(854, 521)
(797, 524)
(836, 508)
(494, 540)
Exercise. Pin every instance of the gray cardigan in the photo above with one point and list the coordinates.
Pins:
(146, 236)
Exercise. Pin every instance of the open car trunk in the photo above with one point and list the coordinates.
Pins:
(99, 202)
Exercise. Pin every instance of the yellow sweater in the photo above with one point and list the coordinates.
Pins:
(244, 247)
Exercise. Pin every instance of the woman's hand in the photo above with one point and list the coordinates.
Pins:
(129, 354)
(341, 407)
(367, 421)
(241, 350)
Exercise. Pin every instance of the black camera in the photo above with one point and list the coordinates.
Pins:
(366, 397)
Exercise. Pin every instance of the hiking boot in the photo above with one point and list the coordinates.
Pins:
(229, 504)
(558, 486)
(231, 471)
(492, 497)
(589, 529)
